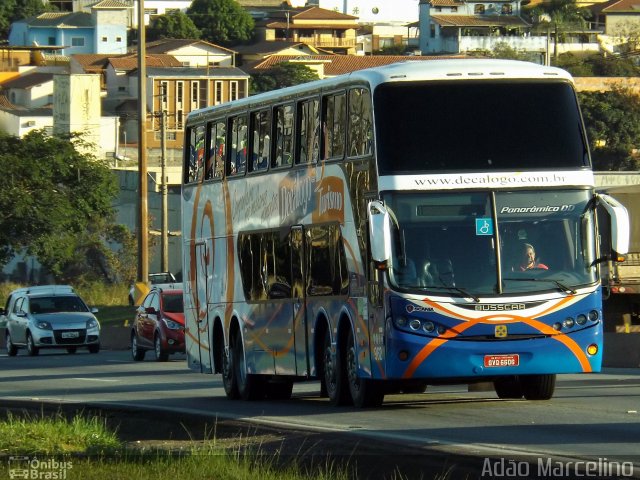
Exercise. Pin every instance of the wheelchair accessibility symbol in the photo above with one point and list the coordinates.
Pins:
(484, 226)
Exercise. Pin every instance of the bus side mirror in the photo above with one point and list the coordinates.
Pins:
(379, 232)
(620, 229)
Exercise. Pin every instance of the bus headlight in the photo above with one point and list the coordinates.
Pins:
(568, 322)
(594, 315)
(415, 324)
(428, 327)
(581, 319)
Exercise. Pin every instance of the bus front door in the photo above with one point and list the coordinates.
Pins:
(298, 299)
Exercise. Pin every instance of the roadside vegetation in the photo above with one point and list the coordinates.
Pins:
(86, 448)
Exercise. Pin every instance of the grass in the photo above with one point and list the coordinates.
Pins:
(85, 448)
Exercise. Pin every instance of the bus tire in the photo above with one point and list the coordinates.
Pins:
(364, 391)
(538, 387)
(229, 380)
(334, 377)
(250, 387)
(508, 387)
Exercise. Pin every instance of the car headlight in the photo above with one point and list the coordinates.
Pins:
(171, 324)
(44, 325)
(93, 323)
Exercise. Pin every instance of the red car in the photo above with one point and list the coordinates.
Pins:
(159, 325)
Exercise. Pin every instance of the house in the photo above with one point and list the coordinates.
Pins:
(314, 26)
(618, 17)
(332, 65)
(31, 90)
(193, 53)
(17, 120)
(257, 52)
(104, 30)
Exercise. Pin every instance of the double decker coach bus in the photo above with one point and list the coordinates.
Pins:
(423, 223)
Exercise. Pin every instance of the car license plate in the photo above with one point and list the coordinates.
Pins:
(70, 335)
(511, 360)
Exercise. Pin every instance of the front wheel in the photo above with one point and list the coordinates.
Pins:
(12, 350)
(364, 391)
(508, 388)
(32, 350)
(538, 387)
(229, 380)
(161, 353)
(94, 348)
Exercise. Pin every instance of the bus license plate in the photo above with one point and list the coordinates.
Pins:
(70, 335)
(512, 360)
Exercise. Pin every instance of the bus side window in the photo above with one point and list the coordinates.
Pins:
(260, 141)
(237, 160)
(360, 130)
(283, 149)
(308, 131)
(215, 162)
(333, 124)
(194, 163)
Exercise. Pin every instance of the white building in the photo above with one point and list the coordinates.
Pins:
(376, 11)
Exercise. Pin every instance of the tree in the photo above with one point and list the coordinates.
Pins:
(172, 25)
(560, 17)
(14, 10)
(612, 121)
(285, 74)
(222, 22)
(57, 206)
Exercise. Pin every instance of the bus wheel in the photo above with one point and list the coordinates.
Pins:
(229, 380)
(250, 387)
(334, 378)
(508, 387)
(364, 392)
(538, 387)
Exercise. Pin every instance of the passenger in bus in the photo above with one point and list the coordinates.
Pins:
(528, 259)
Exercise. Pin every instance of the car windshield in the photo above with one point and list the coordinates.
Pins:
(173, 303)
(157, 278)
(57, 304)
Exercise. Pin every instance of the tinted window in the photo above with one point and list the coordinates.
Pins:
(217, 140)
(478, 126)
(260, 140)
(284, 136)
(194, 163)
(308, 131)
(360, 129)
(172, 303)
(327, 261)
(238, 148)
(56, 304)
(333, 123)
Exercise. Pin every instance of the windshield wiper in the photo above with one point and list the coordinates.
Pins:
(561, 286)
(455, 289)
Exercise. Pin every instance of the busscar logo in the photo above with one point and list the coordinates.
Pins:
(417, 308)
(500, 307)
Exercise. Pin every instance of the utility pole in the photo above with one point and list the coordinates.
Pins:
(164, 239)
(143, 207)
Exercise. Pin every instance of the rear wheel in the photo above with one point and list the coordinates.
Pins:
(32, 350)
(335, 382)
(364, 391)
(12, 350)
(161, 354)
(538, 387)
(508, 387)
(229, 380)
(250, 387)
(136, 352)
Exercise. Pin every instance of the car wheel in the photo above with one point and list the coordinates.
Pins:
(161, 353)
(72, 349)
(94, 348)
(32, 350)
(136, 353)
(12, 350)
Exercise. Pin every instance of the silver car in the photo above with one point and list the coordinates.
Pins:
(50, 316)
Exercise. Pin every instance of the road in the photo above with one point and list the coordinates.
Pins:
(594, 417)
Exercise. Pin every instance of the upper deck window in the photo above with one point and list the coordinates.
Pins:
(478, 126)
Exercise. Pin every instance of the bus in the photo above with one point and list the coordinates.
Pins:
(368, 231)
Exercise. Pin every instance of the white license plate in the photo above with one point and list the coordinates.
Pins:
(511, 360)
(70, 335)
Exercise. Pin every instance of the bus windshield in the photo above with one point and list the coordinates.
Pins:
(445, 243)
(473, 126)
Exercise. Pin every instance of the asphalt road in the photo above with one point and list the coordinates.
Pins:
(593, 418)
